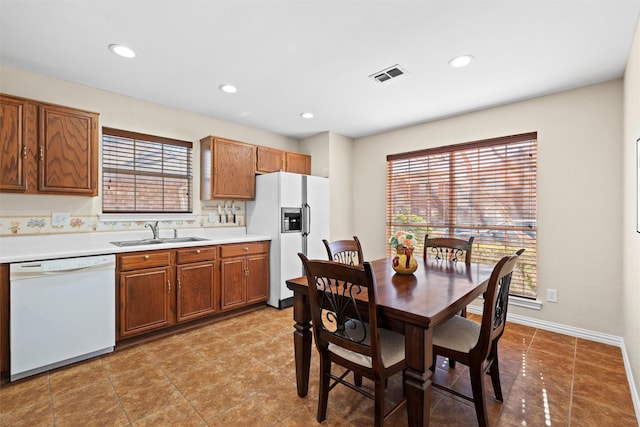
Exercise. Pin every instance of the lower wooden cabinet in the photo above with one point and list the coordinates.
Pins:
(145, 300)
(244, 274)
(161, 288)
(144, 292)
(196, 283)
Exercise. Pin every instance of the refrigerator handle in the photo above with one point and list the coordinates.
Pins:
(306, 219)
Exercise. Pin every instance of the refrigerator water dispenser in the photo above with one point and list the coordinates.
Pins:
(291, 220)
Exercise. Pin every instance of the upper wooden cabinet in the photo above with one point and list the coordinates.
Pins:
(298, 163)
(269, 160)
(47, 148)
(274, 160)
(227, 169)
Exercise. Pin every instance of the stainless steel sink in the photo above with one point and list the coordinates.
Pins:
(143, 242)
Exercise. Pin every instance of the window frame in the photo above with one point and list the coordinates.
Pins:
(430, 176)
(169, 171)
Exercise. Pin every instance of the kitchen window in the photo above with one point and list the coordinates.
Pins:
(485, 189)
(145, 173)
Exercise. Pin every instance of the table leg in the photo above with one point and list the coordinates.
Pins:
(302, 341)
(418, 354)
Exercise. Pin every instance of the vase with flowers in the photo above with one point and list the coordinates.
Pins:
(404, 243)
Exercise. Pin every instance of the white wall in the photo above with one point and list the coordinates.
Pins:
(120, 112)
(331, 156)
(630, 238)
(579, 194)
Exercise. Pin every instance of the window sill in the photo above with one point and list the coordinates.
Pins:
(147, 217)
(513, 301)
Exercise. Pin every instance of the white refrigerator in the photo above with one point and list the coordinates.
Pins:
(294, 210)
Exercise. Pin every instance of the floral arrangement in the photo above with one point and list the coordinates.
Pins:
(403, 239)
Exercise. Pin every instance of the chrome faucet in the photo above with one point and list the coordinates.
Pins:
(154, 229)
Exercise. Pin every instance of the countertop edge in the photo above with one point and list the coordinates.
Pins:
(36, 248)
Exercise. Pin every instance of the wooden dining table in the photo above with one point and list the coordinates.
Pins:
(412, 304)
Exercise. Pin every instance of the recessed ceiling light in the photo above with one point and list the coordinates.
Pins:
(461, 61)
(306, 115)
(123, 51)
(228, 88)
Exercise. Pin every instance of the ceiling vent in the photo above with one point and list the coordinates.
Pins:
(388, 73)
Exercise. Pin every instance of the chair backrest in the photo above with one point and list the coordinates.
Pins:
(345, 251)
(339, 297)
(448, 248)
(496, 300)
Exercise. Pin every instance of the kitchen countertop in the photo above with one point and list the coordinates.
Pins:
(51, 246)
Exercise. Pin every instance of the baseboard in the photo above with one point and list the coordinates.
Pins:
(578, 333)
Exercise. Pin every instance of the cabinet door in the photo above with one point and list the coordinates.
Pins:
(68, 151)
(228, 168)
(145, 300)
(13, 144)
(269, 160)
(258, 278)
(233, 292)
(196, 290)
(298, 163)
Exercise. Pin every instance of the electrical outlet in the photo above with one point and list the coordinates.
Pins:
(552, 295)
(213, 217)
(59, 219)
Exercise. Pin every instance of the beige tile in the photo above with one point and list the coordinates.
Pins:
(245, 414)
(587, 413)
(35, 415)
(241, 371)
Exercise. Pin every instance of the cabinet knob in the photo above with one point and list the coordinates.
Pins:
(245, 249)
(146, 257)
(197, 251)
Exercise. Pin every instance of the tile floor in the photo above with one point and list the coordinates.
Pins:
(240, 372)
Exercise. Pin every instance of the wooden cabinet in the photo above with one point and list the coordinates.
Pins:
(244, 274)
(298, 163)
(227, 170)
(144, 292)
(269, 160)
(13, 144)
(47, 148)
(273, 160)
(196, 283)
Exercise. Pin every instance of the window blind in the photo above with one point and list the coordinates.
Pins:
(485, 189)
(145, 173)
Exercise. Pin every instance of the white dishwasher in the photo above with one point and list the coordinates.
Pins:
(61, 311)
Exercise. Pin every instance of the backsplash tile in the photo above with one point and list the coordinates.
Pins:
(30, 225)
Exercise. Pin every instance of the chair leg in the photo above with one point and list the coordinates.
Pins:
(379, 403)
(494, 371)
(477, 386)
(357, 379)
(323, 392)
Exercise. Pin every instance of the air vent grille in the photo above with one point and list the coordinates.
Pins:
(388, 73)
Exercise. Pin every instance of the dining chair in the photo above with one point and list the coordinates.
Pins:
(448, 248)
(345, 251)
(341, 298)
(476, 344)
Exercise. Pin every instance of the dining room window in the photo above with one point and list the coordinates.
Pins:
(485, 189)
(145, 173)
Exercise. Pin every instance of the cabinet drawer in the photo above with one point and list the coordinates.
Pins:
(240, 249)
(188, 255)
(134, 261)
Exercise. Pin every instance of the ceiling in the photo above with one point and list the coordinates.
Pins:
(290, 56)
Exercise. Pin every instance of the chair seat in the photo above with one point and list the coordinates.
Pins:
(391, 347)
(458, 333)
